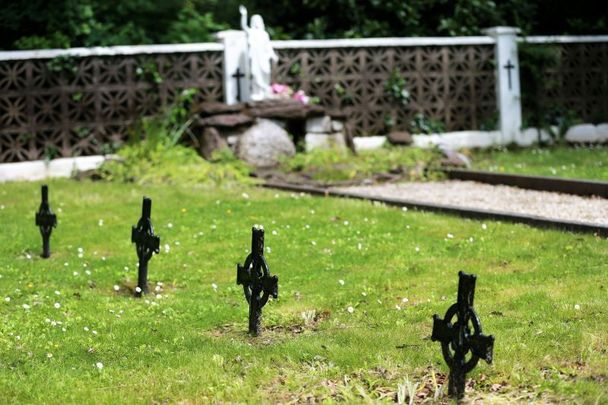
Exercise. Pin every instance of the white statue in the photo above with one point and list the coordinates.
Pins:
(260, 54)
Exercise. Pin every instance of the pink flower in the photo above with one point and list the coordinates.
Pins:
(278, 88)
(301, 97)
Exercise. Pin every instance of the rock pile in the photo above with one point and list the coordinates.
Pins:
(258, 132)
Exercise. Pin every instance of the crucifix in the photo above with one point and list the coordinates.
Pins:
(461, 337)
(238, 75)
(146, 243)
(509, 66)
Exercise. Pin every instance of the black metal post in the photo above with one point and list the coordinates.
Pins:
(258, 284)
(146, 243)
(46, 221)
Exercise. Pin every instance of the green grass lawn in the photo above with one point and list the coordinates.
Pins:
(543, 294)
(562, 161)
(341, 165)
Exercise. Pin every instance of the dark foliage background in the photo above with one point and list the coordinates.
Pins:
(31, 24)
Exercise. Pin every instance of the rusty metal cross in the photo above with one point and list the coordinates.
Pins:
(46, 221)
(146, 243)
(258, 284)
(462, 342)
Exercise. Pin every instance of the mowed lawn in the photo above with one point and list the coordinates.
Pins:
(589, 163)
(67, 335)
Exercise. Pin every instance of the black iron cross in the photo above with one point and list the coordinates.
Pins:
(463, 337)
(509, 66)
(258, 284)
(238, 75)
(46, 221)
(146, 243)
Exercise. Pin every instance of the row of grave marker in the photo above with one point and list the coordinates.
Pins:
(462, 342)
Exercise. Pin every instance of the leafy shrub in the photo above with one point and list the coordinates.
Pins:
(155, 154)
(395, 86)
(147, 163)
(422, 124)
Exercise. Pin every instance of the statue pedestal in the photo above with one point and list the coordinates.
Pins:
(236, 67)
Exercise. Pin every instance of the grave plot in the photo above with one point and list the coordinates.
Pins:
(359, 284)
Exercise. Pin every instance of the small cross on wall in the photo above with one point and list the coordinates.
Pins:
(238, 75)
(509, 66)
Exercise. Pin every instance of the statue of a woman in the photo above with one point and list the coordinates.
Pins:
(260, 55)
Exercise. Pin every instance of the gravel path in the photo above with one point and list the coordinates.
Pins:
(468, 194)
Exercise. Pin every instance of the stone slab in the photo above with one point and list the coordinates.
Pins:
(319, 125)
(226, 120)
(325, 141)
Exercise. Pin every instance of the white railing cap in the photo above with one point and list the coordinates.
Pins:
(564, 39)
(382, 42)
(299, 44)
(111, 51)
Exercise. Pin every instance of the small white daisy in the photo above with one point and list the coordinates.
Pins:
(350, 310)
(99, 365)
(137, 289)
(26, 307)
(57, 305)
(341, 282)
(116, 287)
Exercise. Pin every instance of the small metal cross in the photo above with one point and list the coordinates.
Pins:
(146, 243)
(463, 337)
(238, 75)
(509, 66)
(46, 221)
(258, 284)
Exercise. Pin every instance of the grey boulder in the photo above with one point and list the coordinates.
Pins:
(264, 144)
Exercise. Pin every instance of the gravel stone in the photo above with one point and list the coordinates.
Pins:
(468, 194)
